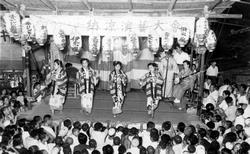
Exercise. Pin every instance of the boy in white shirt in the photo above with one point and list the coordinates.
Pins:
(231, 110)
(239, 117)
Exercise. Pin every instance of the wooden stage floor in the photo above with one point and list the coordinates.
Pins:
(134, 110)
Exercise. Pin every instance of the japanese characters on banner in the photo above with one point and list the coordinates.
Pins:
(41, 33)
(202, 28)
(59, 39)
(13, 24)
(107, 45)
(75, 42)
(211, 41)
(167, 40)
(153, 42)
(94, 44)
(28, 29)
(133, 43)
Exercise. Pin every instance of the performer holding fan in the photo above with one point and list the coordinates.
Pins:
(153, 82)
(118, 81)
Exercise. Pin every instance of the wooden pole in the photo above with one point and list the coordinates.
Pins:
(202, 70)
(28, 73)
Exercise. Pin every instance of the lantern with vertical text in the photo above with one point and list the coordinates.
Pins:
(75, 43)
(107, 45)
(28, 29)
(202, 28)
(41, 34)
(167, 40)
(59, 39)
(13, 24)
(211, 41)
(153, 43)
(133, 43)
(183, 36)
(94, 44)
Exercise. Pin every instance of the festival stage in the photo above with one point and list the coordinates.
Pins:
(134, 110)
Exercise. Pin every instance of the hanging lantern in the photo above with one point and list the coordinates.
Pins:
(94, 45)
(183, 36)
(211, 41)
(133, 43)
(75, 43)
(28, 30)
(107, 45)
(153, 43)
(167, 40)
(202, 28)
(60, 39)
(41, 34)
(13, 24)
(201, 49)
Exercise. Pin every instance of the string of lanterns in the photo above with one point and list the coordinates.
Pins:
(25, 31)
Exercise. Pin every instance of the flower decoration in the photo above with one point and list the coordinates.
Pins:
(94, 44)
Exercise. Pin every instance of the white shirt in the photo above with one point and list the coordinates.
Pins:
(223, 105)
(231, 113)
(212, 71)
(239, 120)
(115, 148)
(145, 138)
(29, 141)
(98, 136)
(49, 130)
(180, 57)
(177, 148)
(206, 85)
(247, 112)
(242, 99)
(213, 97)
(134, 150)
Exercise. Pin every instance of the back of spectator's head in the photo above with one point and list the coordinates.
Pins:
(238, 127)
(226, 151)
(202, 132)
(92, 143)
(85, 127)
(218, 118)
(239, 111)
(230, 137)
(221, 129)
(122, 149)
(17, 141)
(98, 126)
(191, 149)
(150, 150)
(227, 82)
(133, 131)
(165, 141)
(95, 152)
(177, 139)
(211, 125)
(38, 119)
(214, 135)
(150, 125)
(206, 92)
(120, 129)
(243, 87)
(125, 131)
(84, 151)
(77, 124)
(193, 139)
(209, 107)
(226, 93)
(166, 125)
(34, 133)
(229, 101)
(181, 127)
(34, 149)
(67, 123)
(154, 135)
(108, 149)
(143, 150)
(59, 141)
(21, 122)
(228, 124)
(215, 145)
(82, 138)
(116, 140)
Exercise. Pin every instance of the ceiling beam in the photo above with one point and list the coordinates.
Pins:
(86, 4)
(215, 4)
(225, 16)
(49, 4)
(172, 5)
(8, 4)
(130, 3)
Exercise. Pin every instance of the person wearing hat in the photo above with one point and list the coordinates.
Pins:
(168, 68)
(87, 80)
(118, 82)
(153, 82)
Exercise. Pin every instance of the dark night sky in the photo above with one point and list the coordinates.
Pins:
(233, 51)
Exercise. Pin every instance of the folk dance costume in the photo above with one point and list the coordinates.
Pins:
(118, 82)
(87, 81)
(153, 82)
(59, 85)
(168, 68)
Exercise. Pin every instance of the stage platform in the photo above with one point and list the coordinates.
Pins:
(134, 110)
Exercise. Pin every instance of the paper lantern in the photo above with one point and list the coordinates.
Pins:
(183, 36)
(41, 34)
(133, 43)
(13, 24)
(28, 29)
(59, 39)
(153, 43)
(202, 28)
(211, 41)
(167, 40)
(75, 43)
(107, 45)
(94, 45)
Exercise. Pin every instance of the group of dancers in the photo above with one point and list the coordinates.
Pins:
(158, 82)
